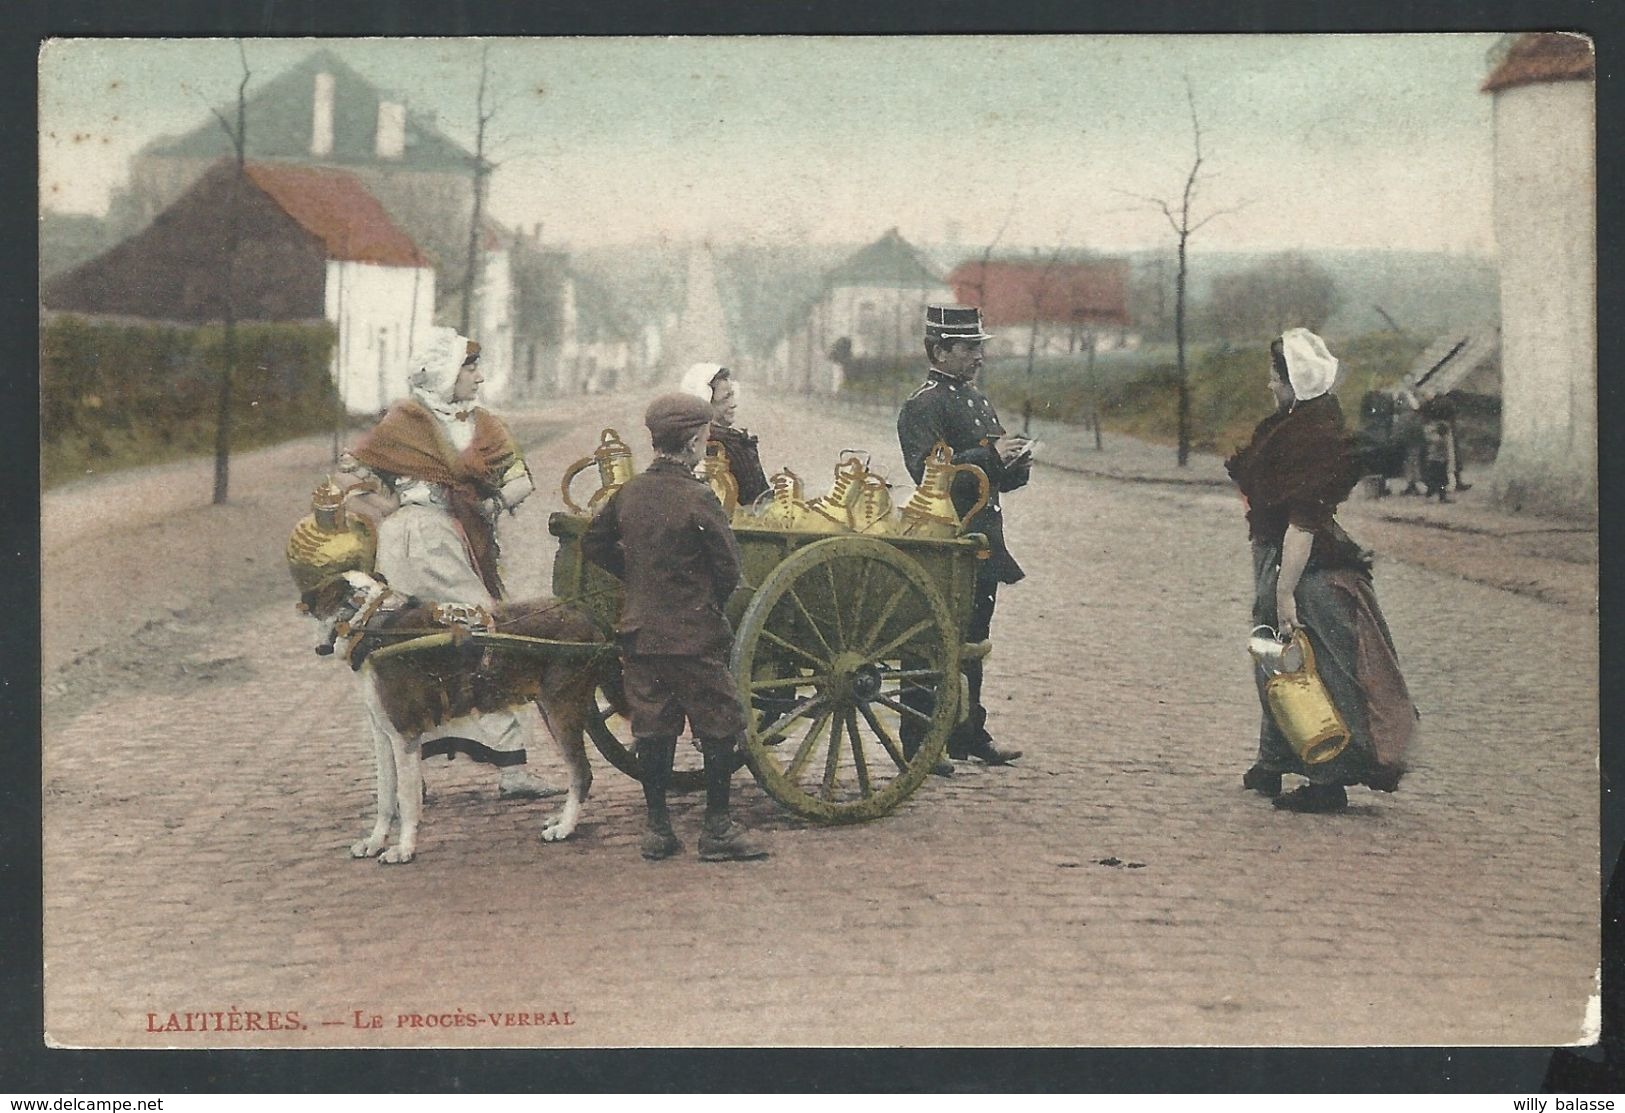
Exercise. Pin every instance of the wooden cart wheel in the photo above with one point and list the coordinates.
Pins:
(688, 774)
(844, 641)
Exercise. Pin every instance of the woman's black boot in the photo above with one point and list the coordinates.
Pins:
(1314, 798)
(1262, 781)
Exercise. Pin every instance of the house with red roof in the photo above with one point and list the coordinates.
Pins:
(312, 244)
(1073, 304)
(321, 113)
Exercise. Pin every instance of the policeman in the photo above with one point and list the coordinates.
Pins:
(665, 537)
(949, 408)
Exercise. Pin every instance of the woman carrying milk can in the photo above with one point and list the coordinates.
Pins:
(1309, 575)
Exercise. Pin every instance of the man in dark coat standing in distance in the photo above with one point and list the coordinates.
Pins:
(949, 408)
(665, 537)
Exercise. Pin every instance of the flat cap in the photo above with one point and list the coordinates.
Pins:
(677, 415)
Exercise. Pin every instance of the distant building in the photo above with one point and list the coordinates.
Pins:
(68, 239)
(321, 113)
(571, 338)
(313, 244)
(1073, 304)
(1545, 229)
(869, 311)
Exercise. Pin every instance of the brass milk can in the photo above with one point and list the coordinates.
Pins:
(1297, 697)
(328, 541)
(872, 514)
(835, 511)
(930, 511)
(614, 460)
(788, 509)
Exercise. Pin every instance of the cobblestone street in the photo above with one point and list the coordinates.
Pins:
(205, 773)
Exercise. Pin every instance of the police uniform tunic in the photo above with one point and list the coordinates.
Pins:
(956, 413)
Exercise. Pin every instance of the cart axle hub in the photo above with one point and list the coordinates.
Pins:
(856, 678)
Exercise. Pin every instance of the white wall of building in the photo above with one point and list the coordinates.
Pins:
(881, 320)
(380, 313)
(494, 324)
(1054, 339)
(1545, 230)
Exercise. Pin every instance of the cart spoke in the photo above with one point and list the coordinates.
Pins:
(832, 760)
(782, 644)
(911, 674)
(914, 689)
(858, 761)
(886, 739)
(880, 623)
(900, 640)
(806, 614)
(782, 723)
(902, 708)
(860, 595)
(793, 682)
(804, 751)
(835, 603)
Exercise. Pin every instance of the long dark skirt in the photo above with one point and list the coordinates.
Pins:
(1354, 654)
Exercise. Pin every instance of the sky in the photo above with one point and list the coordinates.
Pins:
(1323, 142)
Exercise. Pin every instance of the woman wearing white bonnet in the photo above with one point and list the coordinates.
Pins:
(450, 467)
(1309, 574)
(714, 384)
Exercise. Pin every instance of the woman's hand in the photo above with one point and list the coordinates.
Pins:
(1286, 616)
(516, 490)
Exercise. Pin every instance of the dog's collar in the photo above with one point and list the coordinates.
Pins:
(352, 631)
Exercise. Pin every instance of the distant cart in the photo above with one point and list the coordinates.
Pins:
(838, 639)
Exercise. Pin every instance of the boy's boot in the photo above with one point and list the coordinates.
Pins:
(655, 756)
(721, 839)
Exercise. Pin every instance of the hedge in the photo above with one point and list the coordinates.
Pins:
(119, 395)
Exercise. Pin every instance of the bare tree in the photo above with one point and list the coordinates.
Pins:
(980, 285)
(1184, 226)
(1093, 341)
(228, 288)
(484, 110)
(1036, 294)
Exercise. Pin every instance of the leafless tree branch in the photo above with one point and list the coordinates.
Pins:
(1233, 209)
(1196, 123)
(987, 252)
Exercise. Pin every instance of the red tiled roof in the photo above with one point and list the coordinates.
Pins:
(336, 208)
(1541, 57)
(1016, 293)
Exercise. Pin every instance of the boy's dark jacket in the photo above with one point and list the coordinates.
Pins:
(665, 537)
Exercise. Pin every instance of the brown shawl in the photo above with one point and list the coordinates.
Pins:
(1297, 468)
(409, 442)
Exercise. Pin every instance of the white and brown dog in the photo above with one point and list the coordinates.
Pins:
(470, 669)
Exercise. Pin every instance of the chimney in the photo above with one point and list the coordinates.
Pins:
(391, 140)
(321, 125)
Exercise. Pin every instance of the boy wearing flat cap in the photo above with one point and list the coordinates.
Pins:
(666, 538)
